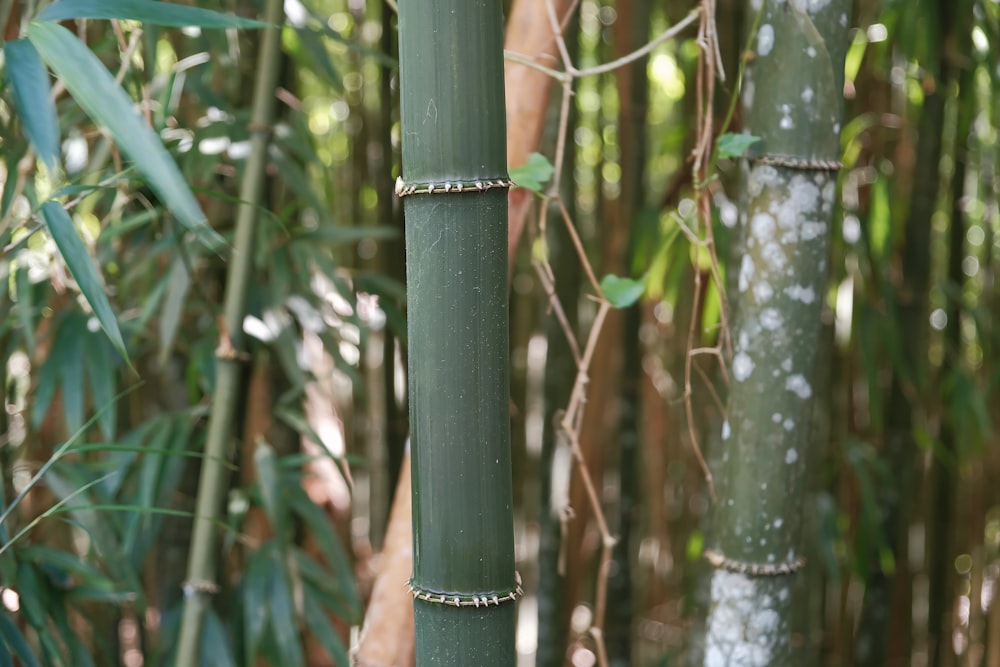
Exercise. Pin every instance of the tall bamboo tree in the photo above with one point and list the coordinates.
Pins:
(212, 483)
(791, 99)
(454, 185)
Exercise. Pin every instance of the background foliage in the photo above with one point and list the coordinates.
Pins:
(116, 229)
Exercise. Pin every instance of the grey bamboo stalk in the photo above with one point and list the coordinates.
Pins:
(791, 99)
(455, 201)
(200, 583)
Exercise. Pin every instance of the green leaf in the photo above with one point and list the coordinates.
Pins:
(621, 292)
(284, 628)
(534, 173)
(214, 643)
(30, 82)
(83, 270)
(178, 286)
(101, 378)
(256, 603)
(321, 628)
(147, 11)
(106, 103)
(15, 641)
(270, 487)
(734, 145)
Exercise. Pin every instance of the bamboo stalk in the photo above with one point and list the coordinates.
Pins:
(455, 189)
(200, 583)
(792, 99)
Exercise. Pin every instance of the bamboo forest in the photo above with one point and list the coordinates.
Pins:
(481, 333)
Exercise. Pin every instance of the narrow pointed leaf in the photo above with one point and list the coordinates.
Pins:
(322, 629)
(284, 628)
(16, 642)
(256, 593)
(147, 11)
(100, 369)
(95, 90)
(178, 285)
(30, 82)
(83, 269)
(267, 474)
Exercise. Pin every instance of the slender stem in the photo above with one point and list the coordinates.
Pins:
(669, 33)
(200, 581)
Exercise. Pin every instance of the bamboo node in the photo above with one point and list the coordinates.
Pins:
(404, 189)
(720, 562)
(793, 162)
(476, 600)
(193, 587)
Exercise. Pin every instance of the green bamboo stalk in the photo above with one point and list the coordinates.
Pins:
(200, 583)
(792, 99)
(455, 201)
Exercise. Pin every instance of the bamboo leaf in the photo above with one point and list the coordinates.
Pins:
(283, 626)
(534, 173)
(16, 642)
(322, 531)
(319, 57)
(621, 292)
(256, 603)
(148, 11)
(178, 285)
(321, 628)
(29, 81)
(71, 335)
(270, 486)
(734, 145)
(95, 90)
(214, 643)
(83, 270)
(25, 305)
(101, 378)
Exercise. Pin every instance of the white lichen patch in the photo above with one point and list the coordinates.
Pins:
(788, 424)
(811, 52)
(776, 417)
(812, 229)
(746, 273)
(774, 257)
(786, 122)
(829, 190)
(798, 385)
(803, 194)
(726, 431)
(765, 39)
(811, 6)
(761, 228)
(802, 293)
(743, 625)
(778, 523)
(791, 456)
(762, 176)
(770, 319)
(742, 366)
(762, 292)
(786, 365)
(807, 94)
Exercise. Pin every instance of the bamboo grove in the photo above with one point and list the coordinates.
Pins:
(496, 332)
